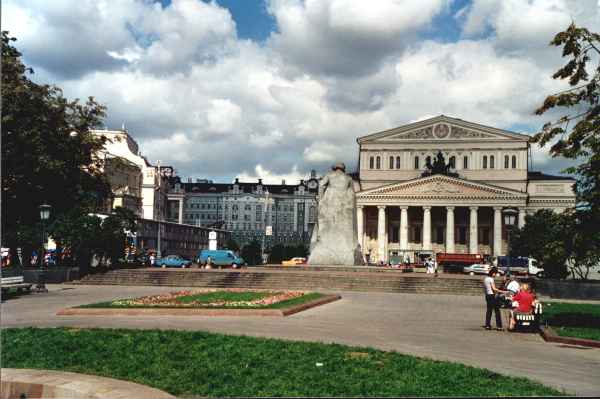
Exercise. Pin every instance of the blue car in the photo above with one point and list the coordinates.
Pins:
(220, 258)
(172, 261)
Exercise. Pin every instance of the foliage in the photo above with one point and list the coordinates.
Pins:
(186, 363)
(543, 238)
(252, 253)
(47, 151)
(232, 245)
(88, 235)
(578, 332)
(576, 135)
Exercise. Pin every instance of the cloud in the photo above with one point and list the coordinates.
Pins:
(197, 97)
(268, 177)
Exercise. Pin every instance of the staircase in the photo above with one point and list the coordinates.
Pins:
(264, 278)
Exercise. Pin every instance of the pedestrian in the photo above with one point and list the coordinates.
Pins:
(152, 259)
(492, 303)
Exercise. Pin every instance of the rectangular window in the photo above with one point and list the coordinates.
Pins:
(462, 235)
(484, 236)
(439, 239)
(465, 162)
(416, 162)
(416, 234)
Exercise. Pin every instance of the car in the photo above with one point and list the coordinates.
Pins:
(294, 262)
(220, 257)
(479, 268)
(172, 261)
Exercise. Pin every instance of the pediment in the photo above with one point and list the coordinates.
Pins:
(442, 128)
(441, 186)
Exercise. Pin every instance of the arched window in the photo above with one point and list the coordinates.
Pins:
(391, 162)
(398, 166)
(465, 162)
(506, 162)
(514, 162)
(491, 162)
(372, 163)
(453, 162)
(378, 162)
(417, 162)
(485, 162)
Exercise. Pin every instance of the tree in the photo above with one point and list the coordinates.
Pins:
(252, 253)
(232, 245)
(576, 135)
(543, 238)
(47, 152)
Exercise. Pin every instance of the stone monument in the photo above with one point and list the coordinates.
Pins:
(334, 240)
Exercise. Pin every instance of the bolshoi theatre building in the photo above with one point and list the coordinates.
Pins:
(405, 207)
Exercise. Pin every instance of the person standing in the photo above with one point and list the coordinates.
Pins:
(152, 259)
(492, 304)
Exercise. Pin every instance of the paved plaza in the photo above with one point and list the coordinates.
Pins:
(443, 327)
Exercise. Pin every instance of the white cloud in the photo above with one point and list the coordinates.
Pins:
(212, 105)
(269, 177)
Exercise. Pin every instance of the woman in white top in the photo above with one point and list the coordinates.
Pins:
(490, 291)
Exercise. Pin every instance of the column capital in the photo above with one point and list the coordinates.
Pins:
(381, 206)
(450, 208)
(403, 207)
(474, 208)
(360, 206)
(426, 208)
(498, 208)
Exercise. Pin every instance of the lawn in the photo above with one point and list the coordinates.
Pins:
(573, 319)
(217, 299)
(198, 363)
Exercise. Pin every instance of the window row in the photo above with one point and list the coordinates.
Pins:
(488, 162)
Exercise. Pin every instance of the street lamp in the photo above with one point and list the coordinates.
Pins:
(266, 220)
(44, 216)
(510, 217)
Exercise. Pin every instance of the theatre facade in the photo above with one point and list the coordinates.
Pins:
(442, 184)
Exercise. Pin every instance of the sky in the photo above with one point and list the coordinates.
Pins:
(274, 88)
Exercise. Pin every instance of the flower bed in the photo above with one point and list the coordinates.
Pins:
(214, 299)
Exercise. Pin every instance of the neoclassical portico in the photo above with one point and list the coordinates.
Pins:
(435, 214)
(441, 184)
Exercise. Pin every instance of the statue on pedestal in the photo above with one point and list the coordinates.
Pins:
(334, 240)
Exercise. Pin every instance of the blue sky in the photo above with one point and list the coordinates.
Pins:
(275, 88)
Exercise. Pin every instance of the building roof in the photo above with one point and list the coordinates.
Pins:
(444, 119)
(544, 176)
(210, 187)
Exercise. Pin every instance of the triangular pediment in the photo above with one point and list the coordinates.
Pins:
(442, 128)
(441, 186)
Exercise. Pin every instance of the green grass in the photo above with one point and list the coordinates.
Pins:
(198, 363)
(229, 296)
(215, 296)
(578, 332)
(573, 319)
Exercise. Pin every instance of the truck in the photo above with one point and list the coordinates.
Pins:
(519, 265)
(454, 263)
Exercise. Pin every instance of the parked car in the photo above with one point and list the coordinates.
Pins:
(479, 268)
(219, 257)
(294, 262)
(173, 261)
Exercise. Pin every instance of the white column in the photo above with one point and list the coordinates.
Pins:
(360, 225)
(450, 229)
(497, 231)
(381, 233)
(180, 211)
(426, 228)
(404, 227)
(473, 233)
(521, 222)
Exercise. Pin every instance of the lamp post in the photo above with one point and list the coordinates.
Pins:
(266, 220)
(44, 216)
(510, 217)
